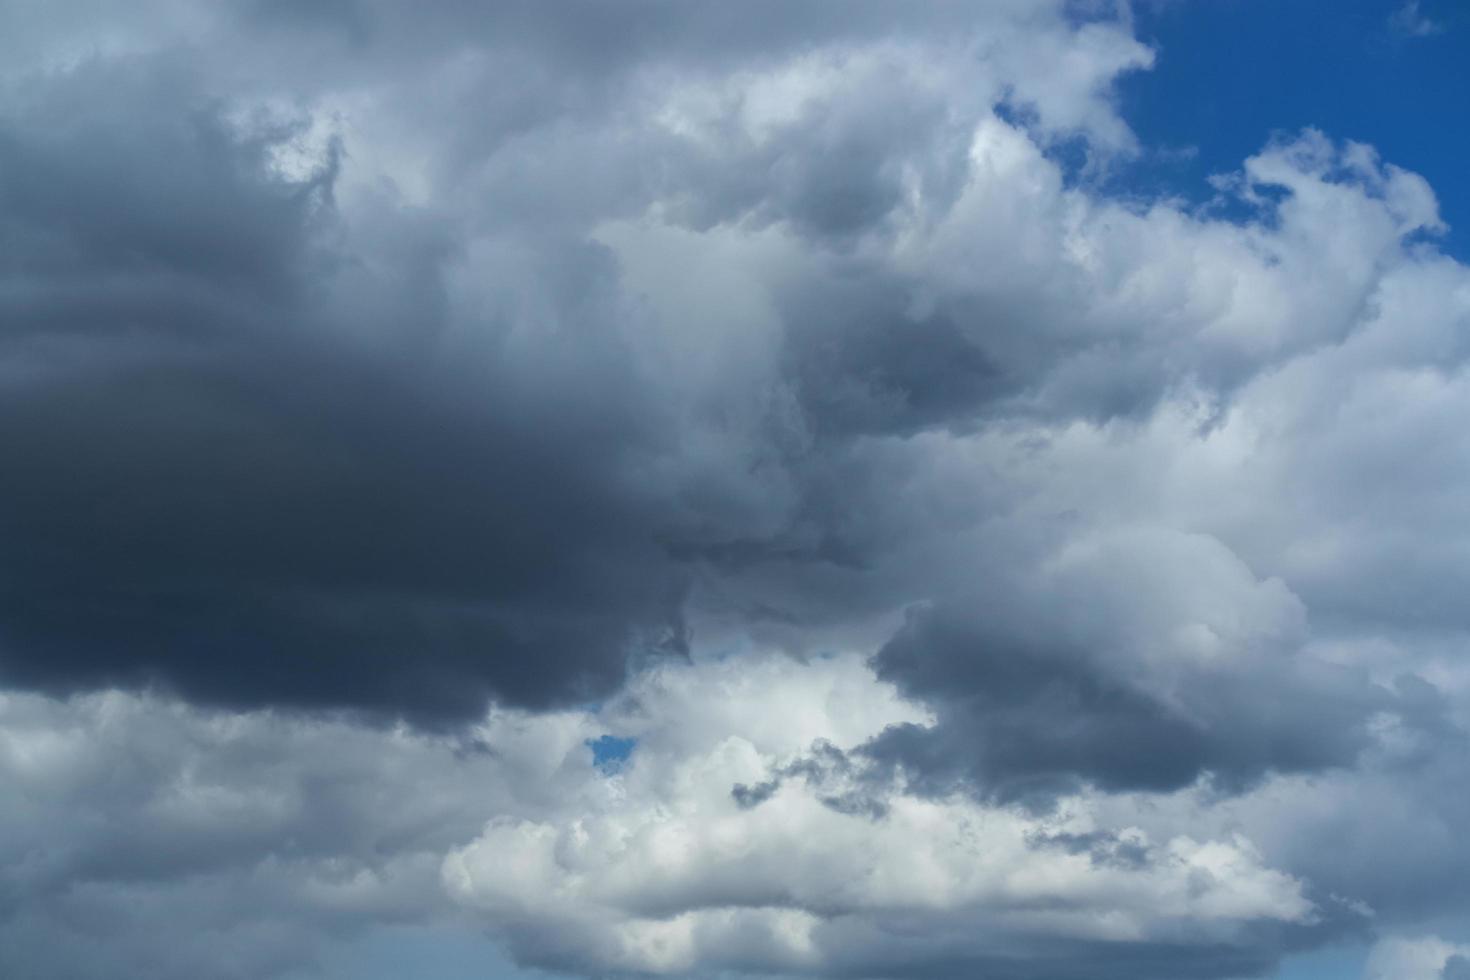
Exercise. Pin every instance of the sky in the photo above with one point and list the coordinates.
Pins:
(673, 488)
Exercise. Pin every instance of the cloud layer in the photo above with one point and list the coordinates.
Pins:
(995, 569)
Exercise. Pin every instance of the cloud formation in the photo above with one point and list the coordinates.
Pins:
(674, 873)
(986, 567)
(143, 838)
(270, 838)
(1412, 957)
(286, 397)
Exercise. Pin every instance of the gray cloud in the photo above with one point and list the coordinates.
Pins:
(270, 423)
(957, 542)
(1036, 690)
(229, 481)
(144, 838)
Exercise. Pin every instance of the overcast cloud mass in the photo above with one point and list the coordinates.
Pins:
(692, 488)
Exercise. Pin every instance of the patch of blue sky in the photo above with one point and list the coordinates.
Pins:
(610, 753)
(1331, 963)
(1232, 74)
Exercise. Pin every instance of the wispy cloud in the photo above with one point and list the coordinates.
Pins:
(1409, 21)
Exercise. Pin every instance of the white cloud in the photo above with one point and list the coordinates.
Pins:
(667, 872)
(1411, 958)
(1410, 22)
(268, 837)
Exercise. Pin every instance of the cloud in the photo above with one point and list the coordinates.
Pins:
(145, 838)
(281, 404)
(695, 488)
(302, 383)
(1413, 957)
(674, 874)
(235, 445)
(1409, 22)
(1141, 659)
(134, 824)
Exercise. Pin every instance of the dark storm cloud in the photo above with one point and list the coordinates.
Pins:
(224, 479)
(1028, 709)
(259, 452)
(1047, 683)
(864, 365)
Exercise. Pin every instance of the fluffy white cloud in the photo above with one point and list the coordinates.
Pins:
(268, 837)
(669, 871)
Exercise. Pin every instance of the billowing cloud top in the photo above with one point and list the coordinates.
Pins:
(969, 566)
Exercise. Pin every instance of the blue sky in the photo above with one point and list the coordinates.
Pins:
(1230, 73)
